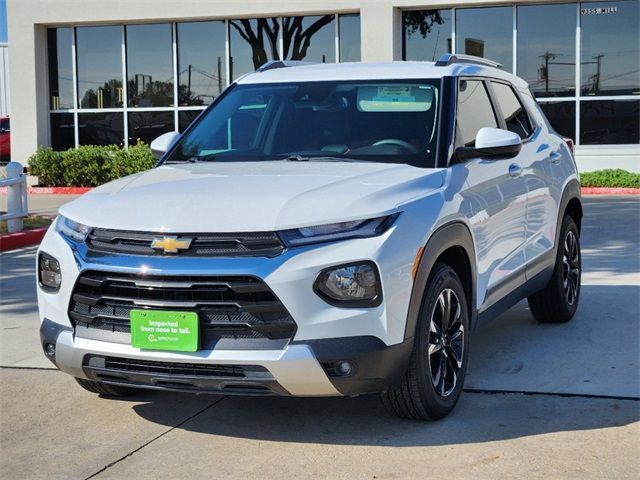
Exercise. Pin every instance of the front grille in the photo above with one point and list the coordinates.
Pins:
(230, 308)
(166, 368)
(252, 244)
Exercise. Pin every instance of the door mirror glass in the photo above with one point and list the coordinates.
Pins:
(492, 143)
(163, 143)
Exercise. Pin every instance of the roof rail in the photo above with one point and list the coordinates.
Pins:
(449, 58)
(281, 64)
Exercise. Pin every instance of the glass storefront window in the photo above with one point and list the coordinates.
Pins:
(349, 37)
(610, 49)
(99, 59)
(147, 126)
(62, 131)
(426, 34)
(310, 38)
(185, 117)
(101, 128)
(487, 33)
(59, 41)
(562, 117)
(201, 62)
(546, 48)
(609, 122)
(253, 43)
(149, 65)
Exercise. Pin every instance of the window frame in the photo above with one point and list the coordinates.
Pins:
(482, 80)
(503, 124)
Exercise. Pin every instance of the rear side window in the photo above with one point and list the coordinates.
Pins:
(515, 116)
(474, 111)
(4, 124)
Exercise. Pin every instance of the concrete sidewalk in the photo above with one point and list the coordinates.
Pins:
(593, 433)
(40, 204)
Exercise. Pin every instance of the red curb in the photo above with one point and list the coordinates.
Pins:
(610, 191)
(27, 238)
(53, 190)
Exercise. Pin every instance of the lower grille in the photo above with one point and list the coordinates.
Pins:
(230, 308)
(166, 368)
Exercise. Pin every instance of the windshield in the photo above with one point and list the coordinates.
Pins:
(380, 121)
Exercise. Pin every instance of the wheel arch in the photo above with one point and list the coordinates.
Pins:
(570, 204)
(452, 244)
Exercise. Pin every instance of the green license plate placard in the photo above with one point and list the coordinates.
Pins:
(162, 330)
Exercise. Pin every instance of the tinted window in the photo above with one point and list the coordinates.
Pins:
(487, 33)
(201, 62)
(101, 128)
(474, 111)
(59, 41)
(562, 117)
(427, 34)
(610, 122)
(547, 48)
(514, 114)
(4, 124)
(62, 134)
(149, 65)
(349, 38)
(185, 118)
(253, 43)
(147, 126)
(610, 49)
(309, 38)
(99, 67)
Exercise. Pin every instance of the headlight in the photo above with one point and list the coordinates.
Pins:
(71, 229)
(338, 231)
(353, 285)
(49, 272)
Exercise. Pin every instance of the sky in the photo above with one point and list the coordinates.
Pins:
(3, 20)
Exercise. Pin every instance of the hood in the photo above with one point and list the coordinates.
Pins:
(250, 196)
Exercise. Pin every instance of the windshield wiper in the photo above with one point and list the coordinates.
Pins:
(301, 158)
(202, 158)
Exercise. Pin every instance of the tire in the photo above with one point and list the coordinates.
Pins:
(105, 389)
(558, 301)
(424, 394)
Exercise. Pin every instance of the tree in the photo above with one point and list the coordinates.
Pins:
(422, 21)
(266, 29)
(298, 39)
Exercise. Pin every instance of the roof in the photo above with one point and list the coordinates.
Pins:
(314, 72)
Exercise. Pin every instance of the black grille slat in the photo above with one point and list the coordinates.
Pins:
(232, 307)
(168, 368)
(251, 244)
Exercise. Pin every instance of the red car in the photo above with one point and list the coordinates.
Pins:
(5, 141)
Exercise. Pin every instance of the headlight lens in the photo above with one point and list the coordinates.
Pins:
(338, 231)
(49, 272)
(71, 229)
(354, 285)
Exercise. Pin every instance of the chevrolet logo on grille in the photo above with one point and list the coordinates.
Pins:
(171, 244)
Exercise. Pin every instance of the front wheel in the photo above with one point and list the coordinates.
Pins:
(433, 382)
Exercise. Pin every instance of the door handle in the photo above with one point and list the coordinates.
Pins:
(555, 157)
(515, 170)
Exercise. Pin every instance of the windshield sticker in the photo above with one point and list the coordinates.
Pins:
(394, 98)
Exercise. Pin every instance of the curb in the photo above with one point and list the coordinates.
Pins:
(610, 191)
(52, 190)
(27, 238)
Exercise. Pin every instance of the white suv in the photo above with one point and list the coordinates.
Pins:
(320, 230)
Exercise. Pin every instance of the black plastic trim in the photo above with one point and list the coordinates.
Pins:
(49, 333)
(372, 303)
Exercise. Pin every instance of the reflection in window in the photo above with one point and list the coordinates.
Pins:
(185, 117)
(149, 65)
(62, 133)
(254, 42)
(546, 48)
(349, 38)
(514, 115)
(426, 34)
(101, 128)
(562, 117)
(610, 50)
(148, 126)
(99, 59)
(310, 38)
(59, 42)
(201, 62)
(610, 122)
(474, 111)
(487, 33)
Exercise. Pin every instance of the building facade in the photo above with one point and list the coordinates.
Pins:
(92, 72)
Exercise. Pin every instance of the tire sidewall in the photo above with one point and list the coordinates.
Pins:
(568, 310)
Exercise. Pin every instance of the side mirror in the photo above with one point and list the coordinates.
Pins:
(163, 143)
(492, 143)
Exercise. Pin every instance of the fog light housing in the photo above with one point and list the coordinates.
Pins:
(49, 274)
(50, 350)
(354, 285)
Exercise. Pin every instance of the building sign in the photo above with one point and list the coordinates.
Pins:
(599, 11)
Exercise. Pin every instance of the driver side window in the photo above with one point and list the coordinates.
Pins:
(473, 113)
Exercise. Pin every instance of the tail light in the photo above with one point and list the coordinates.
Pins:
(570, 145)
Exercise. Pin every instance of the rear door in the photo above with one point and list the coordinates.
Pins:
(494, 199)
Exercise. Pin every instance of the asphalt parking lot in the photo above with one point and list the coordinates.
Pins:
(552, 401)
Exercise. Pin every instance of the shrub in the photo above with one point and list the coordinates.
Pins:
(610, 178)
(89, 165)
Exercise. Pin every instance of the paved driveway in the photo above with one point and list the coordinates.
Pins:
(542, 400)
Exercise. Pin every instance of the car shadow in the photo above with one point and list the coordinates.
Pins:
(18, 282)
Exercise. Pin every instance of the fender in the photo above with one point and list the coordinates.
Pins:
(454, 234)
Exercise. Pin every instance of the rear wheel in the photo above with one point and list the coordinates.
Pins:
(433, 381)
(105, 389)
(558, 301)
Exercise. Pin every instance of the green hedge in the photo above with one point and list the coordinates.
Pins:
(88, 165)
(610, 178)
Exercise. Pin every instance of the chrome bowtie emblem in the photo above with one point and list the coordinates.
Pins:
(171, 244)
